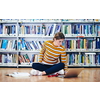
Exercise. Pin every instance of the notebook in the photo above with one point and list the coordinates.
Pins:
(72, 72)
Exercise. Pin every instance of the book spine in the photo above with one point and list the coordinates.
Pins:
(0, 29)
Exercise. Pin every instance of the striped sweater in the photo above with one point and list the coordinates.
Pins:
(50, 53)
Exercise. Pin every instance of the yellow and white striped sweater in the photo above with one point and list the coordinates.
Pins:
(50, 53)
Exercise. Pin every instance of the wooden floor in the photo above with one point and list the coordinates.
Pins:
(87, 75)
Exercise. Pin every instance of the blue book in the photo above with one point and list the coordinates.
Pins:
(80, 60)
(15, 45)
(75, 29)
(4, 44)
(19, 30)
(90, 29)
(34, 45)
(26, 47)
(32, 59)
(98, 43)
(34, 29)
(69, 59)
(38, 30)
(0, 29)
(99, 59)
(19, 45)
(13, 29)
(48, 30)
(69, 44)
(73, 57)
(83, 29)
(29, 45)
(58, 27)
(86, 30)
(23, 43)
(5, 58)
(30, 29)
(25, 30)
(96, 30)
(51, 30)
(78, 28)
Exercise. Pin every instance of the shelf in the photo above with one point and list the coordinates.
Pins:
(53, 22)
(7, 36)
(37, 51)
(83, 65)
(28, 51)
(86, 51)
(75, 22)
(9, 64)
(25, 65)
(66, 36)
(79, 36)
(10, 22)
(35, 36)
(8, 50)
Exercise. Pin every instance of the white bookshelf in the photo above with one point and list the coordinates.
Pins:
(35, 37)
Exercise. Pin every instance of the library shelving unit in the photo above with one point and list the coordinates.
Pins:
(22, 39)
(34, 34)
(8, 44)
(82, 43)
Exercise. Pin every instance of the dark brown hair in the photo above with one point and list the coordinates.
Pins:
(58, 36)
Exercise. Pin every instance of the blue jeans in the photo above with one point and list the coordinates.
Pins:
(49, 69)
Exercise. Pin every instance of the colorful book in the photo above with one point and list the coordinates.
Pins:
(4, 44)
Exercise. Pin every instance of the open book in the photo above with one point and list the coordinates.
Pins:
(18, 74)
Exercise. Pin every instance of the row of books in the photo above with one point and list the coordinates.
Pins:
(26, 59)
(81, 29)
(29, 45)
(51, 29)
(91, 59)
(8, 44)
(84, 44)
(88, 59)
(40, 29)
(8, 58)
(22, 45)
(48, 20)
(8, 30)
(67, 29)
(72, 44)
(20, 59)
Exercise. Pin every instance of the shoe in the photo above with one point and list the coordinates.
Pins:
(35, 72)
(61, 72)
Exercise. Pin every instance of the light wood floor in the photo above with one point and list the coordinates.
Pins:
(87, 75)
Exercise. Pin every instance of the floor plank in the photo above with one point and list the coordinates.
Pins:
(87, 75)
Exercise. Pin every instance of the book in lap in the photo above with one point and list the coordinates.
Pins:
(72, 72)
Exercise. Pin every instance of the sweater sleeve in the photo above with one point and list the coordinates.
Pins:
(64, 58)
(41, 54)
